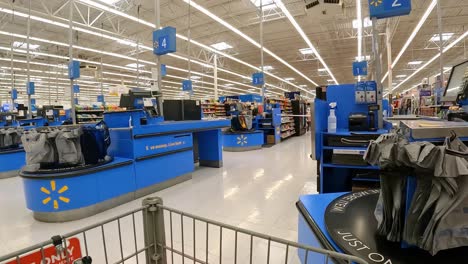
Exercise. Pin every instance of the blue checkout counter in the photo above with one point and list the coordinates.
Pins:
(345, 223)
(242, 141)
(149, 155)
(11, 160)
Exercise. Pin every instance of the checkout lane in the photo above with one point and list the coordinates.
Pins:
(149, 154)
(344, 221)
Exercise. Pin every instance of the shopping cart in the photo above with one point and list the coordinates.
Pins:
(141, 236)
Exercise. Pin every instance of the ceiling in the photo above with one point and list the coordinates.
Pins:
(112, 35)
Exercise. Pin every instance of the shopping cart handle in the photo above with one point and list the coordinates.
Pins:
(354, 142)
(456, 153)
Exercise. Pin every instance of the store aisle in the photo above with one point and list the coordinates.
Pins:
(255, 190)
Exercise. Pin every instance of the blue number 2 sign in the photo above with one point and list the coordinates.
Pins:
(389, 8)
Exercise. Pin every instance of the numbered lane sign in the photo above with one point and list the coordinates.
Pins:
(187, 85)
(389, 8)
(258, 78)
(164, 41)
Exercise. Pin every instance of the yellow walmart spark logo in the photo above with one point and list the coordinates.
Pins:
(53, 188)
(376, 3)
(242, 140)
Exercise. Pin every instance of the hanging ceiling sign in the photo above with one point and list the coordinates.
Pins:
(258, 78)
(164, 41)
(389, 8)
(187, 85)
(74, 70)
(30, 88)
(360, 68)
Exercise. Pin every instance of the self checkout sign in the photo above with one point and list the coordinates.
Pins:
(164, 41)
(389, 8)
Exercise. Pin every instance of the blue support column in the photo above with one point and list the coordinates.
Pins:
(210, 148)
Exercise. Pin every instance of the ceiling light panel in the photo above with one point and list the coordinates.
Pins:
(221, 46)
(304, 37)
(267, 4)
(445, 37)
(306, 51)
(366, 23)
(415, 62)
(110, 2)
(413, 35)
(130, 43)
(24, 45)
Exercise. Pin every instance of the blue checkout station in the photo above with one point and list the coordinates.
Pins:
(11, 160)
(266, 130)
(149, 155)
(343, 221)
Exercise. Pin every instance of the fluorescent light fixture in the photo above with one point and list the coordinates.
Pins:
(359, 23)
(130, 43)
(413, 34)
(394, 83)
(221, 46)
(306, 51)
(267, 4)
(367, 58)
(445, 36)
(289, 79)
(322, 70)
(401, 76)
(134, 65)
(367, 23)
(415, 62)
(24, 45)
(301, 32)
(195, 77)
(146, 23)
(303, 85)
(267, 67)
(447, 48)
(249, 39)
(229, 84)
(330, 80)
(110, 2)
(127, 42)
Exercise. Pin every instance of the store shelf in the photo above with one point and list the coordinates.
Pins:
(90, 111)
(329, 165)
(366, 179)
(346, 148)
(90, 117)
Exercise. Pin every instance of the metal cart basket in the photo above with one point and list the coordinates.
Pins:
(157, 234)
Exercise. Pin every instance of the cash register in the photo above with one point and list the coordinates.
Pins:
(139, 99)
(457, 91)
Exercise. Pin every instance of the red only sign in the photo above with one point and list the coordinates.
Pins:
(51, 256)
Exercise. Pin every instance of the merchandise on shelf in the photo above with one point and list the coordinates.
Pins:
(92, 114)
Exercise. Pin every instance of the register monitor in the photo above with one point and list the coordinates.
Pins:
(456, 82)
(140, 99)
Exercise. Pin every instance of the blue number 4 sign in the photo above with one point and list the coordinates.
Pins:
(164, 41)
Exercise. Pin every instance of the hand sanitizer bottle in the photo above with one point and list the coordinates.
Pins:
(332, 118)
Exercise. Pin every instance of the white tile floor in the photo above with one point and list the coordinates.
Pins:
(256, 190)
